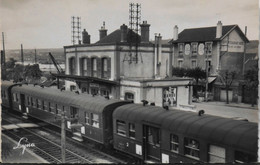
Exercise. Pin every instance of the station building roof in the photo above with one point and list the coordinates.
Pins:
(239, 134)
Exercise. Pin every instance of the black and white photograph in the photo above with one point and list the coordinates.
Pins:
(129, 81)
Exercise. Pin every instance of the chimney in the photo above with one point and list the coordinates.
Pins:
(123, 29)
(219, 29)
(175, 32)
(145, 32)
(85, 37)
(159, 40)
(102, 32)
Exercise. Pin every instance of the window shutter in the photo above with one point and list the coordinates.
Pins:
(99, 67)
(89, 67)
(108, 67)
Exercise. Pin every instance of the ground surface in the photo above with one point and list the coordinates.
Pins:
(15, 155)
(229, 110)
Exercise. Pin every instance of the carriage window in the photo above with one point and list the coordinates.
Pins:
(51, 107)
(58, 109)
(14, 97)
(45, 105)
(153, 136)
(216, 154)
(191, 148)
(33, 102)
(174, 143)
(120, 125)
(17, 97)
(95, 120)
(242, 157)
(87, 118)
(28, 101)
(38, 103)
(132, 130)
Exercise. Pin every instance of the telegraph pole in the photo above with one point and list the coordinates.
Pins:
(3, 55)
(63, 137)
(22, 55)
(35, 59)
(244, 55)
(206, 89)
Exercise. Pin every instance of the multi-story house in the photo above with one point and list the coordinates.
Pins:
(217, 48)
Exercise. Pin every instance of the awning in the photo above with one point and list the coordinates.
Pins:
(211, 79)
(86, 79)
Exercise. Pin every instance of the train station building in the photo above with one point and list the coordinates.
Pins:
(127, 66)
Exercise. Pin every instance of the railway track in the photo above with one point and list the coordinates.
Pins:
(48, 147)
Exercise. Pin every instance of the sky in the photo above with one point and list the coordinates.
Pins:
(47, 23)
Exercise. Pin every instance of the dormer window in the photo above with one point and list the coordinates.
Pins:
(194, 48)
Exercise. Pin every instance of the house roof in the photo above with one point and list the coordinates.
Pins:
(206, 34)
(115, 37)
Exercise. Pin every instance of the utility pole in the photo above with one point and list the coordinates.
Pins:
(3, 54)
(63, 137)
(35, 59)
(244, 55)
(22, 55)
(206, 88)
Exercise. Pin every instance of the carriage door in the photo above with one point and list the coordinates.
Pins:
(22, 98)
(74, 114)
(152, 143)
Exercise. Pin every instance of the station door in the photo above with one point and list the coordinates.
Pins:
(152, 143)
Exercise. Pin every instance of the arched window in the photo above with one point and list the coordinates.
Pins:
(84, 66)
(94, 67)
(129, 96)
(72, 66)
(104, 68)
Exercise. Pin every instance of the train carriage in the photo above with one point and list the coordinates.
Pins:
(92, 115)
(172, 136)
(6, 93)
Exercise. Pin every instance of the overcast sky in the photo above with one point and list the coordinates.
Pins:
(47, 23)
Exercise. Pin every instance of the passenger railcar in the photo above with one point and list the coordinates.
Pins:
(146, 132)
(92, 114)
(6, 93)
(173, 136)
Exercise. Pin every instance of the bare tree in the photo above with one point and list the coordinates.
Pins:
(227, 77)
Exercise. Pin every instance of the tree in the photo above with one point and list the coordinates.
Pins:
(251, 83)
(179, 72)
(32, 72)
(7, 69)
(17, 73)
(227, 77)
(196, 73)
